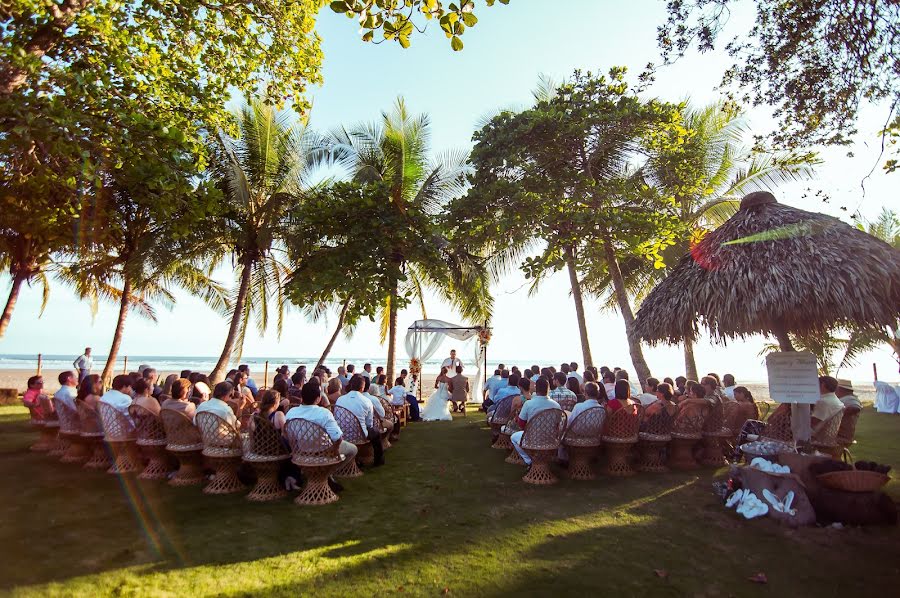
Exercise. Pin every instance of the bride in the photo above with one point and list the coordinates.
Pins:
(436, 407)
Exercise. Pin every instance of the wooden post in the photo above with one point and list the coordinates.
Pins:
(265, 383)
(875, 371)
(125, 366)
(40, 363)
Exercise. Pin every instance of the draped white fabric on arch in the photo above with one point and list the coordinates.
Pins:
(425, 337)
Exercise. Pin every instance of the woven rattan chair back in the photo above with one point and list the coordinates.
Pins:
(68, 418)
(180, 430)
(388, 409)
(47, 407)
(734, 416)
(689, 419)
(310, 444)
(116, 427)
(623, 423)
(715, 418)
(220, 438)
(586, 428)
(826, 432)
(544, 430)
(567, 403)
(847, 431)
(778, 427)
(502, 411)
(147, 425)
(349, 425)
(659, 424)
(90, 420)
(265, 440)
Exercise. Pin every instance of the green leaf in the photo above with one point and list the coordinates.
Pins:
(456, 43)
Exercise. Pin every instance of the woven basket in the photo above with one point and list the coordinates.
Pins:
(750, 453)
(853, 480)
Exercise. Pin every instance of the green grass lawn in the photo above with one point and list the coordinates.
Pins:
(445, 515)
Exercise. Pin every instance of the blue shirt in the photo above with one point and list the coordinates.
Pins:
(494, 384)
(252, 386)
(506, 391)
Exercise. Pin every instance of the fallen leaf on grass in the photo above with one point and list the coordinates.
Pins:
(661, 573)
(759, 578)
(445, 591)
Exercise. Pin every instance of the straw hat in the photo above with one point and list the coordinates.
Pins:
(845, 384)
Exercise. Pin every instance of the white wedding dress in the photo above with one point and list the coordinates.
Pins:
(437, 407)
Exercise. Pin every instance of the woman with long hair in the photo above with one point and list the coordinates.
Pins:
(90, 391)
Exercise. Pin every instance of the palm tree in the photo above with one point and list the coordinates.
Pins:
(394, 153)
(707, 176)
(25, 265)
(261, 175)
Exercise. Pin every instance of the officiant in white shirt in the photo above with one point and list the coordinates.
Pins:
(451, 362)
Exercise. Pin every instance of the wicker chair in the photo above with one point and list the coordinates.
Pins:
(119, 435)
(511, 427)
(687, 431)
(46, 434)
(716, 432)
(151, 440)
(567, 403)
(619, 437)
(70, 429)
(354, 433)
(92, 435)
(847, 431)
(317, 456)
(825, 435)
(386, 424)
(540, 441)
(778, 427)
(392, 418)
(582, 439)
(59, 444)
(223, 448)
(265, 451)
(184, 442)
(497, 419)
(654, 435)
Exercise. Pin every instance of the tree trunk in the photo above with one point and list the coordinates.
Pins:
(392, 335)
(337, 330)
(117, 336)
(45, 38)
(579, 309)
(641, 369)
(218, 373)
(690, 364)
(17, 281)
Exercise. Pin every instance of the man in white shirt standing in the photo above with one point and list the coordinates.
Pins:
(362, 407)
(67, 389)
(119, 396)
(538, 402)
(84, 364)
(451, 362)
(218, 405)
(573, 373)
(309, 411)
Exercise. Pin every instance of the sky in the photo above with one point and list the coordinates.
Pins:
(503, 58)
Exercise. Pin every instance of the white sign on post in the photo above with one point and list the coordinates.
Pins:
(793, 377)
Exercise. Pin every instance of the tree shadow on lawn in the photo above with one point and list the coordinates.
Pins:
(446, 511)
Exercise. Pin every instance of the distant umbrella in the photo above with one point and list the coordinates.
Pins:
(774, 269)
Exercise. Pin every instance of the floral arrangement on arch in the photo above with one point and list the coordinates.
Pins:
(415, 366)
(484, 336)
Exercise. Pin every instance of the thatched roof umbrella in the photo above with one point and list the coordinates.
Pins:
(774, 269)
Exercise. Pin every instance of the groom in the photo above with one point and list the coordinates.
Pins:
(459, 390)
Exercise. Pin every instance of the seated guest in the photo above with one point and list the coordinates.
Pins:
(728, 386)
(89, 391)
(573, 385)
(361, 407)
(525, 392)
(334, 390)
(376, 404)
(309, 411)
(592, 393)
(186, 374)
(649, 395)
(143, 398)
(119, 396)
(511, 388)
(298, 379)
(634, 386)
(663, 404)
(67, 389)
(150, 375)
(218, 406)
(622, 392)
(249, 382)
(828, 403)
(492, 385)
(408, 396)
(573, 373)
(742, 395)
(670, 382)
(200, 392)
(269, 408)
(845, 393)
(32, 397)
(713, 391)
(537, 403)
(178, 401)
(589, 376)
(609, 383)
(377, 389)
(680, 385)
(167, 385)
(559, 392)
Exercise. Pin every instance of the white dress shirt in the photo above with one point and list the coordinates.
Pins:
(398, 395)
(535, 405)
(317, 415)
(119, 400)
(66, 394)
(85, 362)
(577, 376)
(728, 391)
(376, 404)
(360, 406)
(582, 406)
(451, 363)
(220, 408)
(647, 399)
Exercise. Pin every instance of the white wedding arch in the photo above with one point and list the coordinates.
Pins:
(425, 337)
